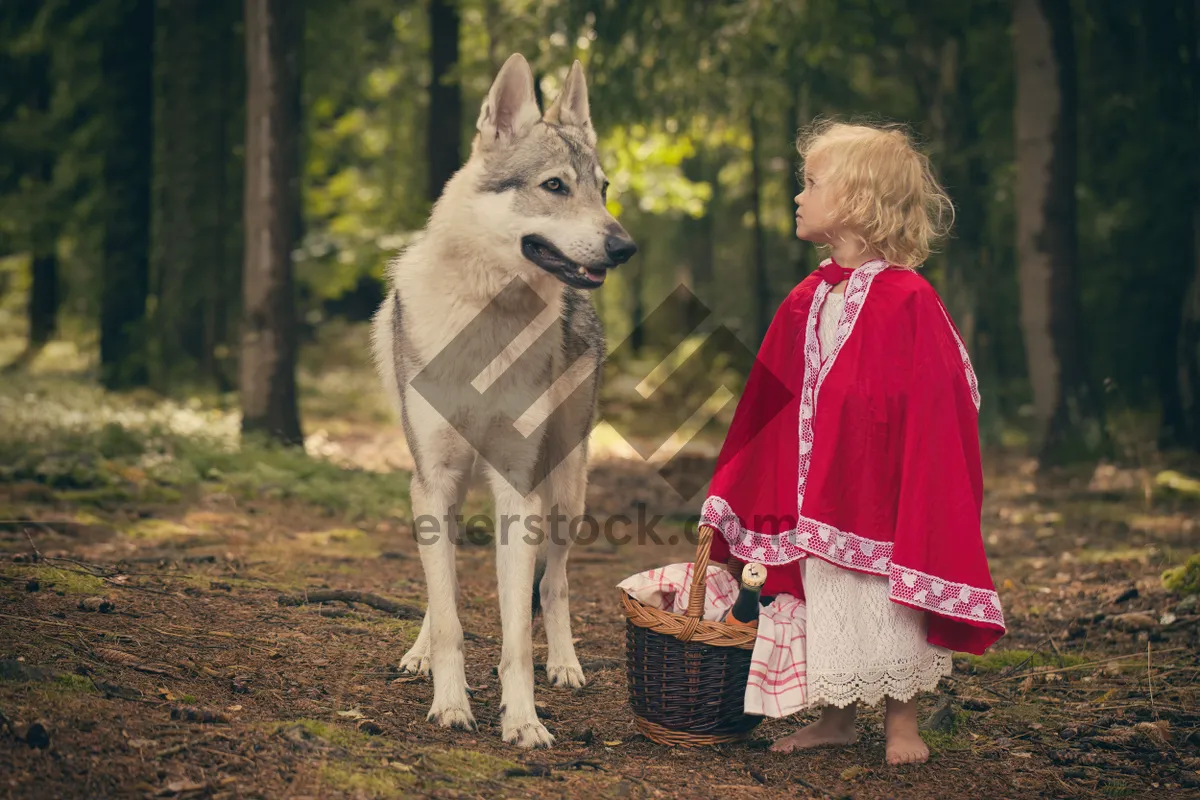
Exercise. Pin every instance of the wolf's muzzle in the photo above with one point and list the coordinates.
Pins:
(619, 248)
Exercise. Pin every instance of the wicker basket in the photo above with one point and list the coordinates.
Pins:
(687, 676)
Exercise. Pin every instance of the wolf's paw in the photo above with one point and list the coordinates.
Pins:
(416, 661)
(565, 676)
(525, 733)
(452, 715)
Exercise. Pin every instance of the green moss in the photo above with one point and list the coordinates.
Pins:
(381, 782)
(1184, 579)
(1142, 555)
(60, 580)
(468, 765)
(338, 737)
(157, 530)
(74, 683)
(999, 660)
(341, 542)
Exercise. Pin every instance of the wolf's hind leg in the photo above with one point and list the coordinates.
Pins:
(416, 660)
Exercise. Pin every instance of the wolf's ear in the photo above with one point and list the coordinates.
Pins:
(510, 108)
(571, 106)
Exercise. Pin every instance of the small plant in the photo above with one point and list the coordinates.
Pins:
(1184, 579)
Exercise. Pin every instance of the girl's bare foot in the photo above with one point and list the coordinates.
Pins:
(836, 726)
(904, 742)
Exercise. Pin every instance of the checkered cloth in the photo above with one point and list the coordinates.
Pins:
(777, 685)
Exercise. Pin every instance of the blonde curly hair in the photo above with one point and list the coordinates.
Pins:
(887, 195)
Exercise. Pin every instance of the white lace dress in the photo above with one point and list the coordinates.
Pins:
(862, 647)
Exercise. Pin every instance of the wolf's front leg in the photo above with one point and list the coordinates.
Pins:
(563, 506)
(516, 553)
(431, 502)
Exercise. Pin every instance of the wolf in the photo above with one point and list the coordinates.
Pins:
(491, 351)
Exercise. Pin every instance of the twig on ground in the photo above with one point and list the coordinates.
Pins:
(1150, 681)
(352, 596)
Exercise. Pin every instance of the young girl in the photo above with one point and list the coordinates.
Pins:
(853, 463)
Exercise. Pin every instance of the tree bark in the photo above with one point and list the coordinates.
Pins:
(274, 31)
(1189, 333)
(799, 113)
(43, 291)
(445, 96)
(192, 152)
(1068, 410)
(762, 283)
(127, 65)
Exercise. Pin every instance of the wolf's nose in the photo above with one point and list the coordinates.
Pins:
(619, 248)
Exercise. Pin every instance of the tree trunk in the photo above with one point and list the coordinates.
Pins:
(762, 283)
(43, 300)
(43, 289)
(798, 117)
(274, 31)
(192, 152)
(1189, 333)
(127, 65)
(445, 95)
(1068, 410)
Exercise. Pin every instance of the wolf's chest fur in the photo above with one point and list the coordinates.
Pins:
(484, 365)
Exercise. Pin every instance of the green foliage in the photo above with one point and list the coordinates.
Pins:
(673, 86)
(1184, 579)
(60, 580)
(90, 447)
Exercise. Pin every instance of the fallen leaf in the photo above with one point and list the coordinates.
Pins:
(353, 713)
(140, 743)
(853, 773)
(233, 708)
(613, 743)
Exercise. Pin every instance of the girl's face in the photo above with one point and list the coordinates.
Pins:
(815, 220)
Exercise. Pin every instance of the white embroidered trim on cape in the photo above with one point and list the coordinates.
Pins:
(972, 380)
(908, 586)
(841, 547)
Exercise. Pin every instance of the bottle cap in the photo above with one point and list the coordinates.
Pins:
(754, 575)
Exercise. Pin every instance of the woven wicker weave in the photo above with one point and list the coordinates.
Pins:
(687, 676)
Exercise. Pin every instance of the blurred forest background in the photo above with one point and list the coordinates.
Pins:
(146, 144)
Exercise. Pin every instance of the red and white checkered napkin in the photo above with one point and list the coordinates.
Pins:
(777, 685)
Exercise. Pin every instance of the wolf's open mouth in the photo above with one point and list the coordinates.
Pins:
(551, 259)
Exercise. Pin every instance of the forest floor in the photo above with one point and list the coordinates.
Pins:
(145, 650)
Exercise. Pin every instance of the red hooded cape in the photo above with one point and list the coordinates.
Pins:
(869, 459)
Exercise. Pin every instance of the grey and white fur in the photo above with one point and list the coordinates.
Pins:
(529, 204)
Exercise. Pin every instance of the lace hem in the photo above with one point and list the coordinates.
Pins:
(900, 681)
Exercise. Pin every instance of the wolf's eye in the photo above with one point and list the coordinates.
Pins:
(555, 185)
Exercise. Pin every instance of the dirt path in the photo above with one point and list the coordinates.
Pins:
(199, 683)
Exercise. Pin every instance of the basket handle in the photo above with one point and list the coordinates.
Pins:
(695, 606)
